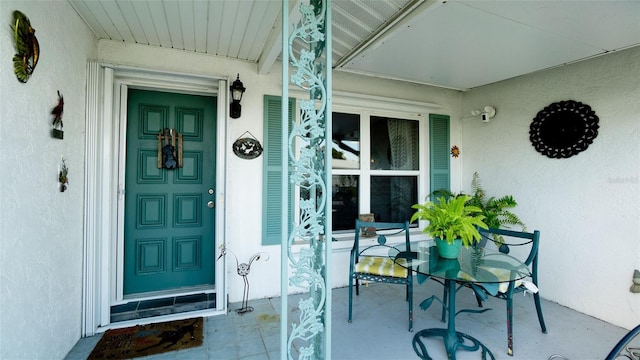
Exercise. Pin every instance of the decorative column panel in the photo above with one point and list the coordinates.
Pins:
(309, 173)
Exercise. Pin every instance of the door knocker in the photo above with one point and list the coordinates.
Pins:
(167, 157)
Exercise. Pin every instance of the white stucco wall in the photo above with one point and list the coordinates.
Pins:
(587, 206)
(41, 229)
(244, 177)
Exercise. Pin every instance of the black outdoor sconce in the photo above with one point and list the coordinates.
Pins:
(237, 89)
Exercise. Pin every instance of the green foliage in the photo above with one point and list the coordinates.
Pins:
(496, 211)
(335, 154)
(451, 219)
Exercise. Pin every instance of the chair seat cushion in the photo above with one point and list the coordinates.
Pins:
(380, 266)
(502, 280)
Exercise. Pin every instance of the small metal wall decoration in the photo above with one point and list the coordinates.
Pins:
(167, 156)
(27, 47)
(247, 147)
(57, 118)
(455, 151)
(63, 179)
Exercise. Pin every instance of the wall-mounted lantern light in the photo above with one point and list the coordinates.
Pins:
(237, 89)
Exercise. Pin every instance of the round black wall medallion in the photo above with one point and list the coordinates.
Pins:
(563, 129)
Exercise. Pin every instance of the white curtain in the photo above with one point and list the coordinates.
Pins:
(403, 157)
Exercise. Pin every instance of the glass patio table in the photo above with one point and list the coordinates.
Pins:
(475, 267)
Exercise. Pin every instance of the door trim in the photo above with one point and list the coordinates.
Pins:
(104, 182)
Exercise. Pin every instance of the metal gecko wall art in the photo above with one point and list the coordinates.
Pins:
(26, 45)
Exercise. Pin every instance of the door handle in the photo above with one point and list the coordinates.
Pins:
(211, 204)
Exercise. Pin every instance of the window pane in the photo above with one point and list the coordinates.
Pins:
(394, 144)
(392, 197)
(345, 201)
(346, 141)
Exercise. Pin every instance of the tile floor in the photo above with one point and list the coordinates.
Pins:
(379, 329)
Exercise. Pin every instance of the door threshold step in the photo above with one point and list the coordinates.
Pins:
(164, 306)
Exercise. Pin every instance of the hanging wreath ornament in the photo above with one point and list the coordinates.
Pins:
(563, 129)
(247, 147)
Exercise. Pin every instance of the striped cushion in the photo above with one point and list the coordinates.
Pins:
(380, 266)
(493, 288)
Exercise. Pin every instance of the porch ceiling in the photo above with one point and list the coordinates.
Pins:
(458, 44)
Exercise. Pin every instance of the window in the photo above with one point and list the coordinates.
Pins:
(376, 167)
(379, 166)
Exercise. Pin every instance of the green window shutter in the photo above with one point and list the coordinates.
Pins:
(439, 166)
(272, 173)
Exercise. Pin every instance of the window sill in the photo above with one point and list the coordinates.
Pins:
(343, 242)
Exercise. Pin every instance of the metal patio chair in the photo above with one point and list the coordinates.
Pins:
(525, 246)
(371, 261)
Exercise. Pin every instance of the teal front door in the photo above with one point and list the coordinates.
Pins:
(169, 213)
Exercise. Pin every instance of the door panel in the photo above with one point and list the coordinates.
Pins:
(169, 229)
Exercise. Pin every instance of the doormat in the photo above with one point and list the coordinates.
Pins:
(143, 340)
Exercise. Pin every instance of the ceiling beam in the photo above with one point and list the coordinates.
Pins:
(273, 47)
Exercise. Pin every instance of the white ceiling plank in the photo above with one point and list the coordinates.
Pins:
(242, 22)
(142, 13)
(103, 19)
(254, 28)
(215, 30)
(118, 20)
(266, 27)
(130, 15)
(227, 27)
(156, 9)
(187, 22)
(172, 14)
(87, 16)
(201, 25)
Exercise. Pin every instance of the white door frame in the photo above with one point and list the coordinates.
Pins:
(104, 183)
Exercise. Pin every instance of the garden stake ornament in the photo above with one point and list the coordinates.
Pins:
(243, 270)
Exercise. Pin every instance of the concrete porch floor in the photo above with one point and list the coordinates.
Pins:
(380, 324)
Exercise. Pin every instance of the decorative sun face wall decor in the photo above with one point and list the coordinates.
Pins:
(563, 129)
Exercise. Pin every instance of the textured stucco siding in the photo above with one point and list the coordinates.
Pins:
(587, 206)
(40, 227)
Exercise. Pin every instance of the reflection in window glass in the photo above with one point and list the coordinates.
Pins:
(345, 201)
(392, 197)
(346, 141)
(394, 144)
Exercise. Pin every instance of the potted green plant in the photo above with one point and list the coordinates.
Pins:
(497, 211)
(452, 223)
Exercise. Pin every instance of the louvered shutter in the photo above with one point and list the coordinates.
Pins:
(272, 171)
(439, 166)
